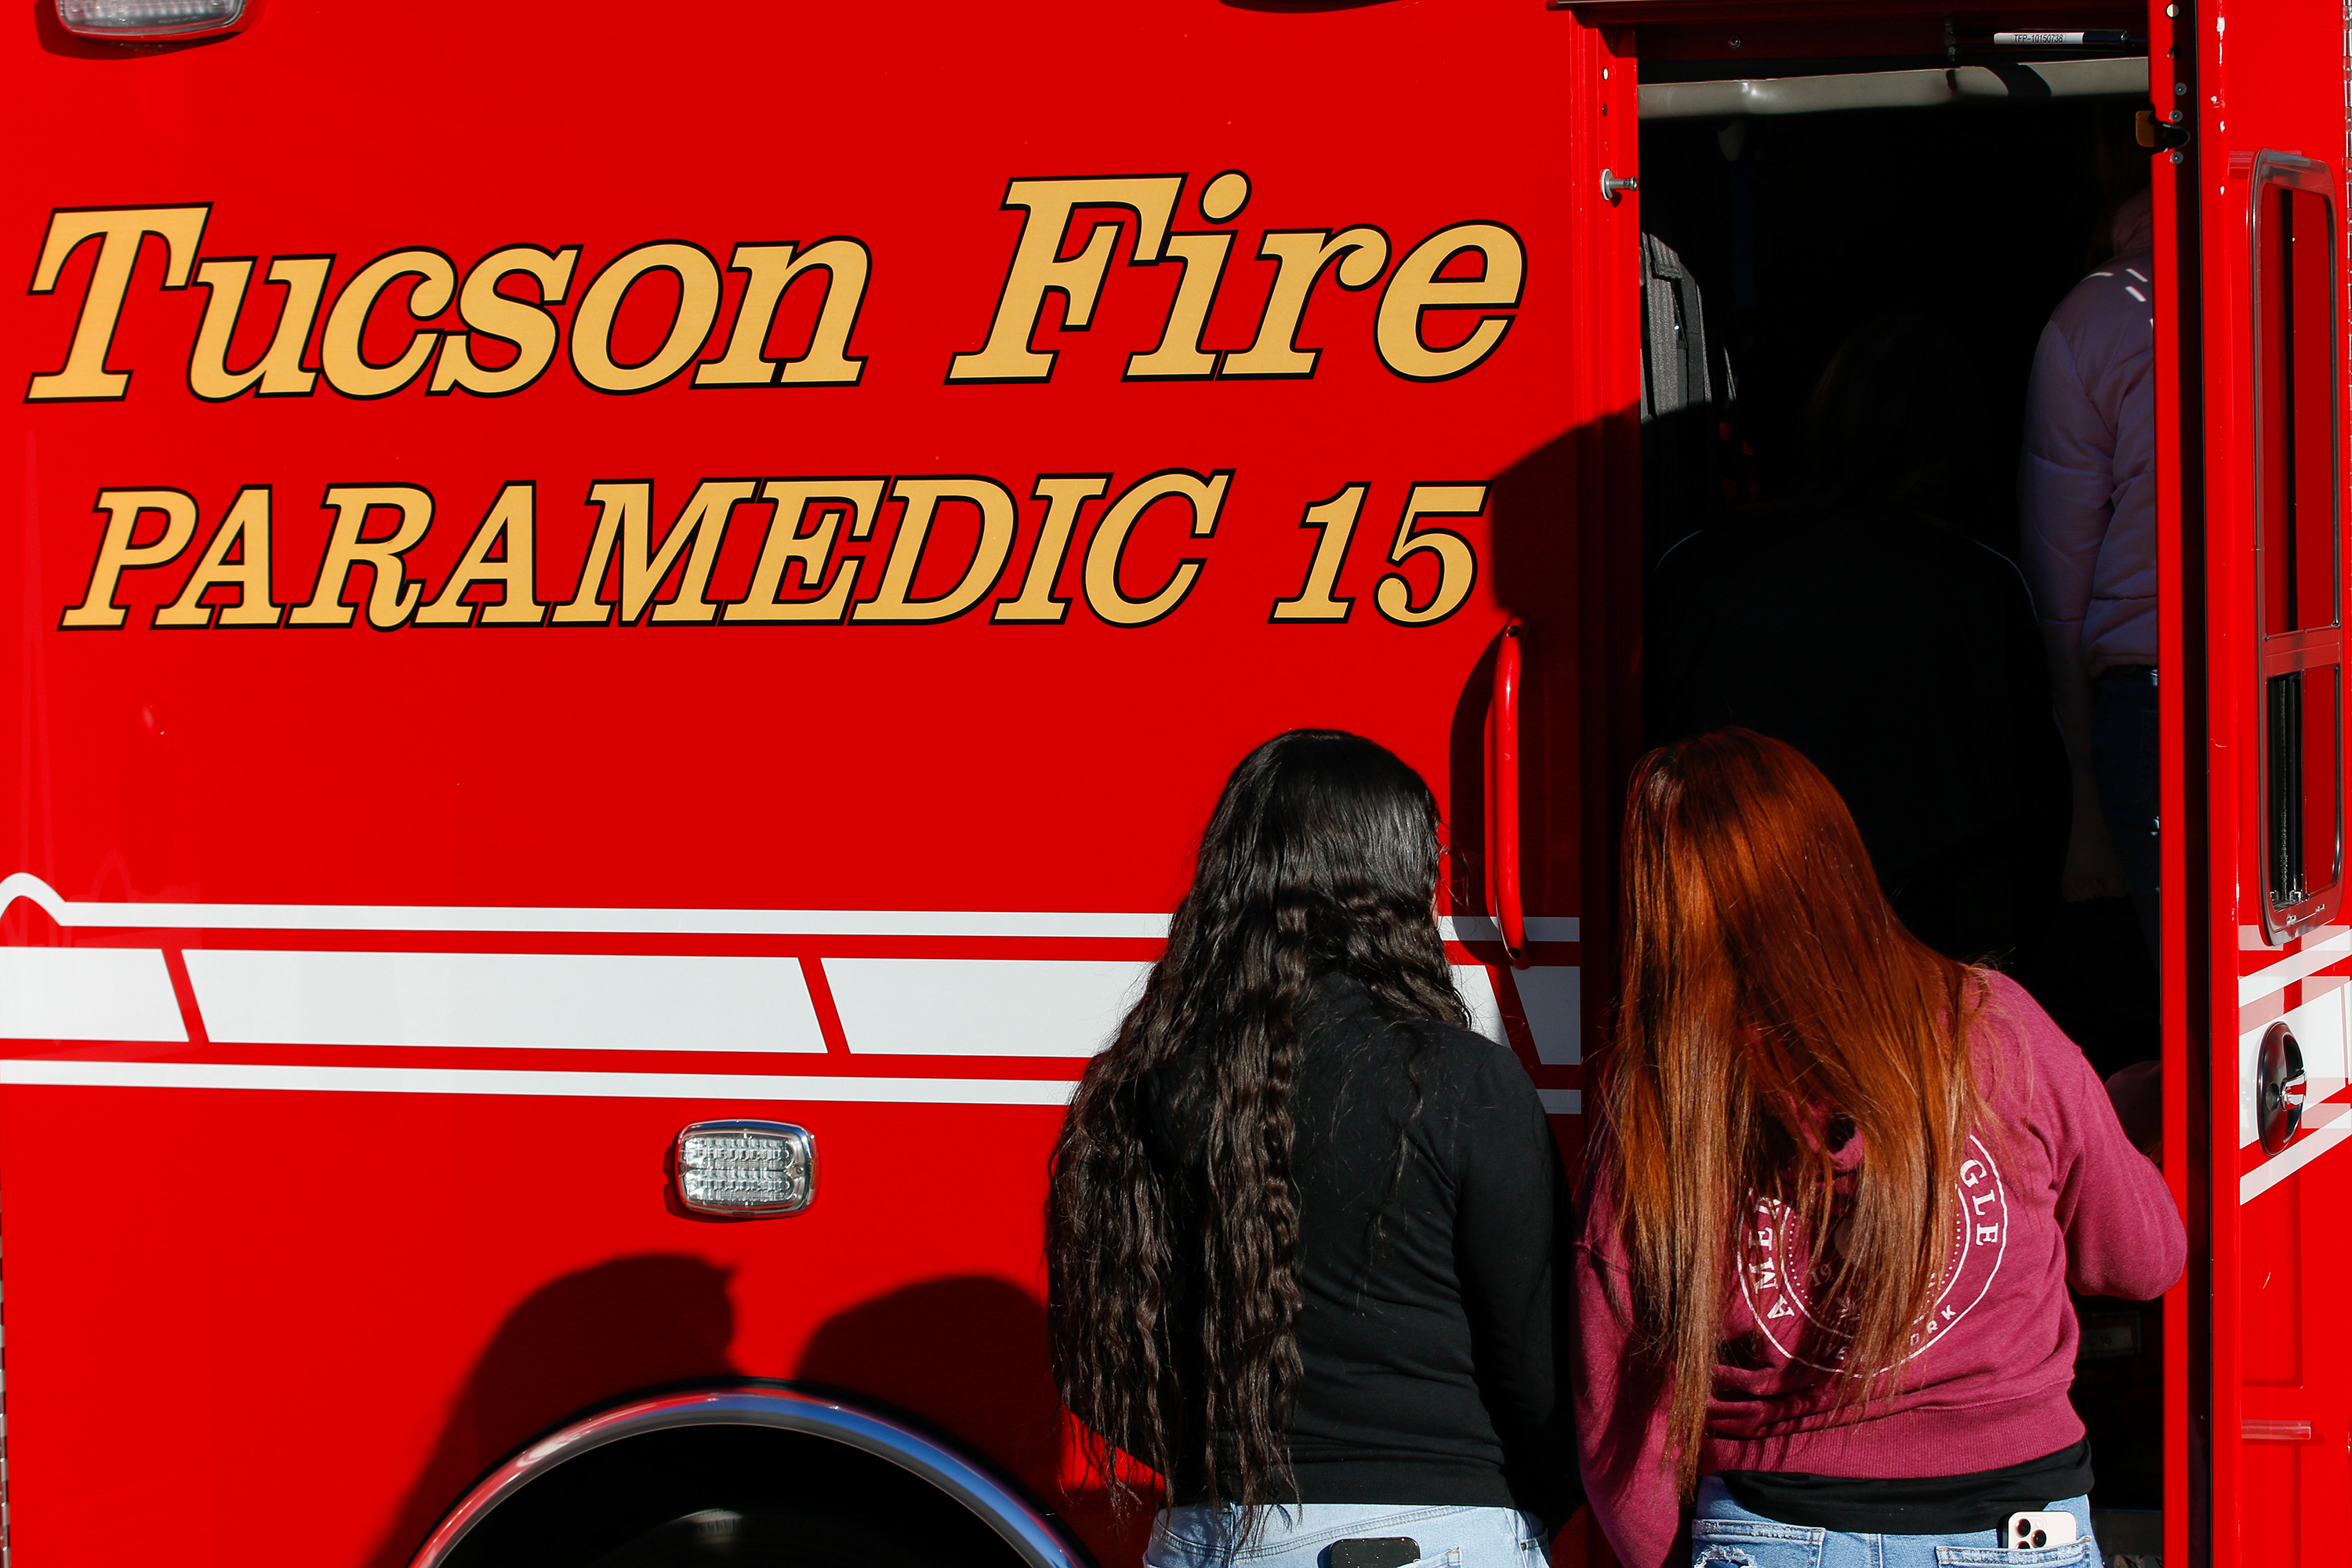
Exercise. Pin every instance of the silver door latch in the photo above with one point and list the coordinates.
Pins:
(1616, 185)
(2280, 1086)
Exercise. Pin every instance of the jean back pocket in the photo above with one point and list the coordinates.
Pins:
(2075, 1554)
(1754, 1544)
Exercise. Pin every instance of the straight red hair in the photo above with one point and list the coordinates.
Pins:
(1770, 999)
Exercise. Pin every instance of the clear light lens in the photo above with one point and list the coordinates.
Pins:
(146, 18)
(746, 1168)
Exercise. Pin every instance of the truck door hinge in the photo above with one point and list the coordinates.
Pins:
(2160, 135)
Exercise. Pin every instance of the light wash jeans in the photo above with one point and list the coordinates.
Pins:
(1725, 1535)
(1300, 1535)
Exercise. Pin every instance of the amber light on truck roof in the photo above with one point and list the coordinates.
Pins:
(140, 19)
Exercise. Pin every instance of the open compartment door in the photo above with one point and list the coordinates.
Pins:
(2250, 335)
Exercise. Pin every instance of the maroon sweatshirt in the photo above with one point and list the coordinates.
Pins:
(2051, 1194)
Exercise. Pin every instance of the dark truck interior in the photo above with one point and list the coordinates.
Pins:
(1799, 178)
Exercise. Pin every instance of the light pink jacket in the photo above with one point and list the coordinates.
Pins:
(2087, 484)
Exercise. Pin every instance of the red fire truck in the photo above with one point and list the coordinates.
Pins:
(619, 620)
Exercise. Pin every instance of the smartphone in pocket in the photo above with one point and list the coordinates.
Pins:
(1376, 1551)
(2030, 1532)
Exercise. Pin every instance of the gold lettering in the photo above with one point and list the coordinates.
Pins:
(342, 350)
(1179, 356)
(1204, 495)
(504, 319)
(1416, 288)
(1222, 198)
(998, 515)
(1038, 268)
(1457, 564)
(246, 529)
(698, 309)
(278, 372)
(1336, 521)
(120, 231)
(1063, 494)
(392, 594)
(625, 520)
(769, 270)
(511, 526)
(1303, 256)
(118, 553)
(786, 543)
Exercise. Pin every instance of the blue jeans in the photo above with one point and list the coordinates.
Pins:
(2124, 760)
(1300, 1535)
(1725, 1535)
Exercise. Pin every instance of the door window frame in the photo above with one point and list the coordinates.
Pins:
(2315, 648)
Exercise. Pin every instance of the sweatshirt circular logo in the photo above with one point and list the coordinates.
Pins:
(1784, 1283)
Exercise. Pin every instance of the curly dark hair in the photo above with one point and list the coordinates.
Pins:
(1172, 1227)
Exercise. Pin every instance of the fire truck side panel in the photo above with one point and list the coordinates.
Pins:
(2269, 85)
(333, 1311)
(958, 441)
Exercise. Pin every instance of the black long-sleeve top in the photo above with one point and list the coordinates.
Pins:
(1433, 1365)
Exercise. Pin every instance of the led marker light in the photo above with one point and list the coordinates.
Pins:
(133, 20)
(746, 1170)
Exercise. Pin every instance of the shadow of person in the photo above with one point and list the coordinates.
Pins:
(584, 1340)
(1565, 556)
(966, 1353)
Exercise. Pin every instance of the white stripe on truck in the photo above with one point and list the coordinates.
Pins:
(87, 994)
(655, 922)
(596, 1001)
(1008, 1007)
(733, 1088)
(1477, 991)
(1553, 996)
(981, 1006)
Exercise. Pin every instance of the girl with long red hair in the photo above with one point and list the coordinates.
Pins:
(1840, 1187)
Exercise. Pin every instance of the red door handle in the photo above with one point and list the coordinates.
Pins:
(1503, 797)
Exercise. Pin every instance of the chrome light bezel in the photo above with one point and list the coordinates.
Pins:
(799, 1148)
(237, 21)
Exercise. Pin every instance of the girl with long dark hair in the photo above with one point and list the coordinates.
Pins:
(1839, 1188)
(1301, 1239)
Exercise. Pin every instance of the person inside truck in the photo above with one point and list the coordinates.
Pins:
(1839, 1188)
(1300, 1237)
(2087, 530)
(1858, 621)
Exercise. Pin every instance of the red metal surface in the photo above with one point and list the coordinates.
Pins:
(304, 1318)
(2267, 78)
(2184, 966)
(1503, 770)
